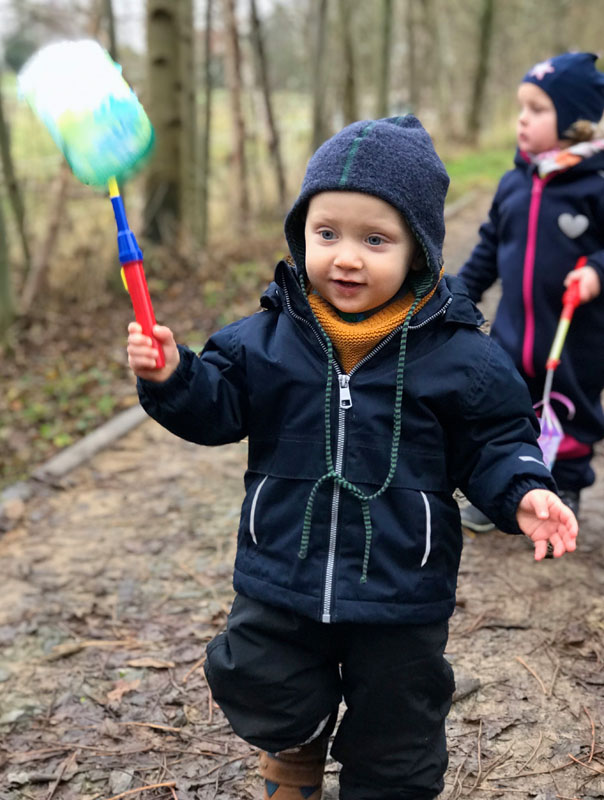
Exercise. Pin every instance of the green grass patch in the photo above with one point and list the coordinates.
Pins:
(478, 169)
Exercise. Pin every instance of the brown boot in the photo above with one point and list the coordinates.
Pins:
(295, 774)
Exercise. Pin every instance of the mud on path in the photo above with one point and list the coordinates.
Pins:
(115, 579)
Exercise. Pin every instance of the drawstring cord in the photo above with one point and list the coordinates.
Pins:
(419, 286)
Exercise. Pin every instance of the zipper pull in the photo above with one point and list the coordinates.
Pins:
(345, 398)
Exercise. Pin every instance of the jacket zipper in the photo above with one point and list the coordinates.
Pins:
(528, 274)
(344, 404)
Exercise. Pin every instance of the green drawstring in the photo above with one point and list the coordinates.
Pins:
(420, 286)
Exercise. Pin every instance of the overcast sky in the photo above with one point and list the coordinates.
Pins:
(130, 17)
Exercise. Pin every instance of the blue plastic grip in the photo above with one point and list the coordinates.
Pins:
(127, 246)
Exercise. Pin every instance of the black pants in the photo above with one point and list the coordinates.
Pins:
(277, 676)
(574, 473)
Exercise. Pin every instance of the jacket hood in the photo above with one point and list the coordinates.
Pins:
(393, 159)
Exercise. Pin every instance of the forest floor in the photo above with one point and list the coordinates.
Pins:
(115, 577)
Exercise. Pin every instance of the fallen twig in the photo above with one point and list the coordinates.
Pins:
(220, 766)
(154, 725)
(70, 648)
(478, 758)
(532, 774)
(478, 622)
(454, 795)
(593, 735)
(553, 683)
(583, 764)
(68, 762)
(534, 753)
(166, 784)
(533, 673)
(195, 666)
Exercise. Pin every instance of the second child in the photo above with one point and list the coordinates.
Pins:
(547, 212)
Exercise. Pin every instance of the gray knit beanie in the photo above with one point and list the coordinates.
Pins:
(393, 159)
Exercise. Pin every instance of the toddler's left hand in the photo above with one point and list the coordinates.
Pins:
(544, 518)
(589, 282)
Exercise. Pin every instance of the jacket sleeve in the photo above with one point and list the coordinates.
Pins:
(596, 258)
(480, 270)
(205, 400)
(496, 457)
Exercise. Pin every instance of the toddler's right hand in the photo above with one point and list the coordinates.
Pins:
(589, 282)
(141, 353)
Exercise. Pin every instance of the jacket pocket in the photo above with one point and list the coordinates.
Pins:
(253, 510)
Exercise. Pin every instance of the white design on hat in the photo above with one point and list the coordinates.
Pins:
(541, 69)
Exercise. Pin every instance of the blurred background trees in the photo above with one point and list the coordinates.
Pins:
(240, 92)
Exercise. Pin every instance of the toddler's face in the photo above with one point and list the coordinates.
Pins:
(358, 249)
(537, 127)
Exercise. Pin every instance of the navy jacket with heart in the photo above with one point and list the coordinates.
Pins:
(536, 230)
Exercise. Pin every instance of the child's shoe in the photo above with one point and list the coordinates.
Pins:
(295, 774)
(473, 519)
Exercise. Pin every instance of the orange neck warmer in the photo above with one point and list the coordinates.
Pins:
(353, 340)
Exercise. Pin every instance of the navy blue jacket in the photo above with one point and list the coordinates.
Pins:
(536, 230)
(466, 422)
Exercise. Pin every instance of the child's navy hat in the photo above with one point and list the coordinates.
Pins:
(574, 85)
(393, 159)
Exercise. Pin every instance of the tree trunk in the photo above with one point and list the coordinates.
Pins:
(349, 99)
(162, 211)
(319, 127)
(274, 145)
(204, 159)
(10, 178)
(111, 35)
(383, 58)
(187, 203)
(413, 83)
(485, 32)
(36, 277)
(6, 297)
(242, 198)
(438, 79)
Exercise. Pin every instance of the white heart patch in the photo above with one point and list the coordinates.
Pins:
(571, 226)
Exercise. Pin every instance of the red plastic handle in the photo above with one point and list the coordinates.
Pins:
(571, 297)
(141, 302)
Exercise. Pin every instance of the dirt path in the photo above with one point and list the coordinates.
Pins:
(115, 579)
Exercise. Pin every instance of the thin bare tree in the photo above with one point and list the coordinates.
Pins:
(242, 197)
(349, 94)
(6, 295)
(188, 202)
(413, 93)
(14, 190)
(163, 174)
(383, 58)
(274, 144)
(204, 156)
(111, 34)
(481, 73)
(319, 126)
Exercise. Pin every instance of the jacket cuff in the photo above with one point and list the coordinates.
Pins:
(596, 261)
(515, 495)
(177, 380)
